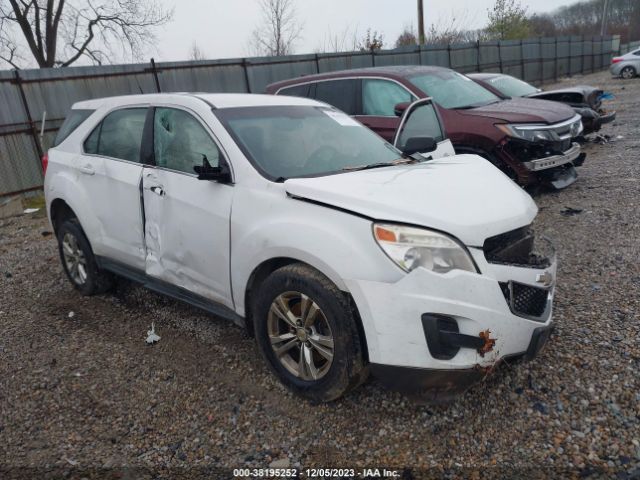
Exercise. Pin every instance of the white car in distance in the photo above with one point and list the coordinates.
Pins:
(341, 253)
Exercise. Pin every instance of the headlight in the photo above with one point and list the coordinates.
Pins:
(529, 133)
(411, 247)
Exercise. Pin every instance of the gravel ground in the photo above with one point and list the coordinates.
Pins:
(82, 396)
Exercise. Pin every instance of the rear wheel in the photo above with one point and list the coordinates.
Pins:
(78, 260)
(628, 72)
(307, 333)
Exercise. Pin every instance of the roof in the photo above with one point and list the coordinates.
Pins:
(485, 76)
(217, 100)
(391, 71)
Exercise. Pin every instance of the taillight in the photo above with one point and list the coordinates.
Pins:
(45, 163)
(616, 60)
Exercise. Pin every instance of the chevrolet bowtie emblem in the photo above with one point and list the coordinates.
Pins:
(545, 278)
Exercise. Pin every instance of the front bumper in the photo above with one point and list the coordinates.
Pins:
(441, 385)
(554, 161)
(392, 313)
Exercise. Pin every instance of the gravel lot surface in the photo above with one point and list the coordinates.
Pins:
(80, 391)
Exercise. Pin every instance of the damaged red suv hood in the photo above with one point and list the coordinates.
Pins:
(523, 110)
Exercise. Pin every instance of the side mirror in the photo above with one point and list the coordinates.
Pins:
(419, 145)
(217, 174)
(400, 108)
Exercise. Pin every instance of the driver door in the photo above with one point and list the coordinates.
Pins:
(186, 219)
(421, 119)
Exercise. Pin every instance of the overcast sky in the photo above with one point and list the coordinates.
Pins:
(222, 28)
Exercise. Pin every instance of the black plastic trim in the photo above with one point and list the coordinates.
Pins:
(443, 336)
(169, 290)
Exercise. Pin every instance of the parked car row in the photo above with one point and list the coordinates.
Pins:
(532, 141)
(405, 253)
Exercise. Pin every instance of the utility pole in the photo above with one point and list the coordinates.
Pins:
(421, 38)
(603, 28)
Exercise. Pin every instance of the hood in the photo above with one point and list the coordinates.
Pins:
(523, 110)
(574, 96)
(464, 196)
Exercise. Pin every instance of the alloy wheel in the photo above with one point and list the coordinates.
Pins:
(74, 259)
(627, 73)
(300, 336)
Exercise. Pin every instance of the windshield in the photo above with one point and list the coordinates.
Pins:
(450, 89)
(511, 86)
(303, 141)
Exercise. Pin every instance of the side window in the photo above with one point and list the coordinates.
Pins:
(379, 97)
(422, 121)
(341, 94)
(297, 91)
(637, 52)
(91, 143)
(180, 142)
(119, 135)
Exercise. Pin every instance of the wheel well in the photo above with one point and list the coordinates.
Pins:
(60, 211)
(260, 274)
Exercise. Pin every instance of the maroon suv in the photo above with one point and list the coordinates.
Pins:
(531, 140)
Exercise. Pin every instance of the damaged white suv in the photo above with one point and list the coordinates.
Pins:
(341, 253)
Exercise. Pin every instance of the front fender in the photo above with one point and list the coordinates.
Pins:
(338, 244)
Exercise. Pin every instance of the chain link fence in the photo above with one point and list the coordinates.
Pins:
(27, 94)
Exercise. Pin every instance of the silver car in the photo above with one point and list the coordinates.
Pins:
(627, 66)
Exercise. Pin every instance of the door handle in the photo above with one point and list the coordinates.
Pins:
(87, 169)
(157, 190)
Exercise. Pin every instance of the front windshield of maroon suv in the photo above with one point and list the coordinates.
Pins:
(450, 89)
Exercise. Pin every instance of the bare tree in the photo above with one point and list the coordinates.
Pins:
(58, 33)
(195, 53)
(372, 41)
(407, 37)
(279, 30)
(453, 28)
(344, 41)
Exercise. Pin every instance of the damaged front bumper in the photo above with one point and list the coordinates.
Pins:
(551, 163)
(444, 332)
(554, 161)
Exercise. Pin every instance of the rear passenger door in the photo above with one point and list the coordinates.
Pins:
(186, 219)
(379, 99)
(343, 94)
(110, 170)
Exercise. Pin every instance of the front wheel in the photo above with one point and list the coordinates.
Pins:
(628, 72)
(307, 333)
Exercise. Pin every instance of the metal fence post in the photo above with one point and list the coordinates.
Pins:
(478, 55)
(25, 104)
(500, 57)
(582, 55)
(522, 61)
(317, 58)
(555, 63)
(154, 71)
(246, 74)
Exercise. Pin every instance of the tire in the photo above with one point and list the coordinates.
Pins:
(628, 72)
(78, 260)
(300, 288)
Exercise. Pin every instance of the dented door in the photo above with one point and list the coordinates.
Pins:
(186, 219)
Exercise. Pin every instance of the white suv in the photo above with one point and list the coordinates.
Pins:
(339, 252)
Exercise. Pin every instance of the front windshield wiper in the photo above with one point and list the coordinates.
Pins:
(475, 105)
(399, 161)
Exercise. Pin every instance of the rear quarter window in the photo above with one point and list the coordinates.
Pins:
(296, 91)
(73, 121)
